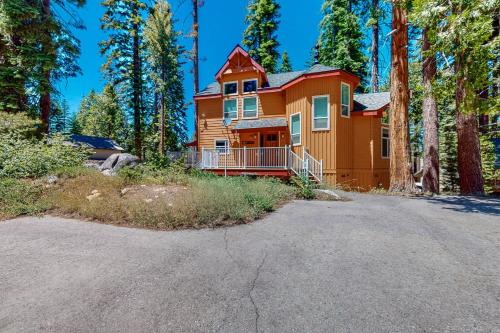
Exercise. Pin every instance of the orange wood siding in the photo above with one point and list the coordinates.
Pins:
(350, 149)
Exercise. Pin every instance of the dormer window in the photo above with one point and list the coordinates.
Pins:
(249, 86)
(231, 88)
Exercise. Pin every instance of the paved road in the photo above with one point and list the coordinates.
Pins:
(374, 264)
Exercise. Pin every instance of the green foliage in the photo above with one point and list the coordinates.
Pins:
(260, 35)
(286, 65)
(448, 147)
(490, 173)
(341, 39)
(22, 155)
(101, 115)
(305, 187)
(163, 55)
(20, 198)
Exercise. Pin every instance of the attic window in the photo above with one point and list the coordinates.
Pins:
(231, 88)
(249, 86)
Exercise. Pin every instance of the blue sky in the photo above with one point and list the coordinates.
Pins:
(221, 28)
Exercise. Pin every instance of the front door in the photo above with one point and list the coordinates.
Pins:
(271, 155)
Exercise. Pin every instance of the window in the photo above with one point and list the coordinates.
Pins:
(249, 86)
(222, 146)
(231, 108)
(386, 142)
(345, 100)
(231, 88)
(295, 127)
(321, 112)
(250, 107)
(272, 137)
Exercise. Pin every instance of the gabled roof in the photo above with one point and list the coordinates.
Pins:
(95, 142)
(277, 80)
(371, 101)
(236, 52)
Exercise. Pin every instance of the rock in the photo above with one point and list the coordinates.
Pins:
(109, 163)
(93, 196)
(125, 160)
(328, 193)
(125, 190)
(52, 179)
(94, 191)
(148, 200)
(108, 173)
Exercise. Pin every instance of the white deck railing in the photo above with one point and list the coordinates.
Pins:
(245, 158)
(266, 158)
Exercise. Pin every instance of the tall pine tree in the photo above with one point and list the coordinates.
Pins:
(123, 22)
(286, 65)
(260, 35)
(163, 54)
(341, 39)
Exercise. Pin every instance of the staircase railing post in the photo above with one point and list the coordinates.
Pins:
(321, 171)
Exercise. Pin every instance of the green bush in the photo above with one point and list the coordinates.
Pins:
(23, 155)
(20, 198)
(305, 187)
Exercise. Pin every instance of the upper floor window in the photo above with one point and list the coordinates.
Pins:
(250, 107)
(295, 129)
(386, 142)
(231, 88)
(321, 112)
(249, 86)
(345, 100)
(231, 108)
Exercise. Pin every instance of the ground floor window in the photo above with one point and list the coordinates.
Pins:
(222, 146)
(295, 129)
(386, 142)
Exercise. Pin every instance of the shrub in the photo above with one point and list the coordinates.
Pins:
(305, 187)
(19, 198)
(22, 155)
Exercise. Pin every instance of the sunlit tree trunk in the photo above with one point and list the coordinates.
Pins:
(45, 86)
(375, 28)
(400, 165)
(469, 153)
(430, 119)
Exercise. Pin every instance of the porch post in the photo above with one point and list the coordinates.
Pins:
(287, 152)
(244, 157)
(203, 157)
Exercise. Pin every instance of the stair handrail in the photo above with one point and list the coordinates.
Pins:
(314, 167)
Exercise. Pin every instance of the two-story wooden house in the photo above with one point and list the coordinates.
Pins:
(305, 122)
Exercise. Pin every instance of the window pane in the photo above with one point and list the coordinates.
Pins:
(250, 86)
(385, 133)
(321, 123)
(222, 146)
(345, 110)
(250, 107)
(345, 94)
(321, 107)
(296, 124)
(385, 148)
(230, 109)
(230, 88)
(296, 139)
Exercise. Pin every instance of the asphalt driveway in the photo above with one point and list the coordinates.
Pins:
(374, 264)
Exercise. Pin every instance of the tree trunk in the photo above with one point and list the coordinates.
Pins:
(469, 153)
(400, 165)
(375, 28)
(45, 100)
(162, 124)
(195, 64)
(137, 90)
(430, 115)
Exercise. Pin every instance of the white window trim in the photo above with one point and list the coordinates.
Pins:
(342, 83)
(224, 88)
(300, 129)
(227, 145)
(243, 107)
(252, 92)
(327, 128)
(382, 143)
(237, 107)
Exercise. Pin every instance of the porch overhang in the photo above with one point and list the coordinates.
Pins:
(260, 124)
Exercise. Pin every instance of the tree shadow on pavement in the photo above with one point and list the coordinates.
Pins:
(485, 205)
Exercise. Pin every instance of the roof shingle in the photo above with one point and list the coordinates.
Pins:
(371, 102)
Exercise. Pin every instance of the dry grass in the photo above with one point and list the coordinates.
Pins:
(168, 201)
